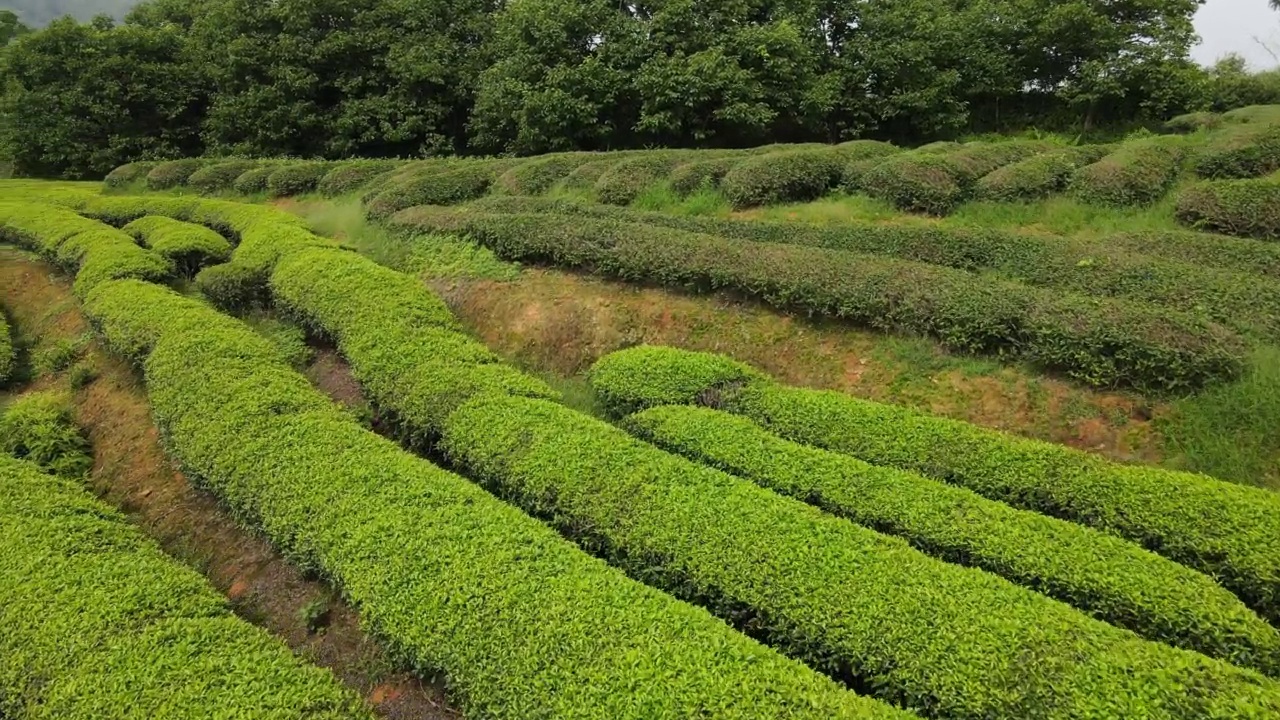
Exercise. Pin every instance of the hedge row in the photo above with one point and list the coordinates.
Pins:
(219, 176)
(1138, 173)
(1038, 176)
(1229, 532)
(353, 175)
(296, 178)
(520, 621)
(128, 173)
(438, 185)
(7, 359)
(795, 175)
(862, 607)
(91, 250)
(1098, 341)
(188, 247)
(38, 428)
(537, 175)
(937, 182)
(1240, 151)
(1191, 122)
(173, 173)
(1248, 208)
(1109, 578)
(99, 623)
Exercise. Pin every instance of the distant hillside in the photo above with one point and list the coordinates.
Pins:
(37, 13)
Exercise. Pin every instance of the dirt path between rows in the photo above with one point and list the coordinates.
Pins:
(132, 472)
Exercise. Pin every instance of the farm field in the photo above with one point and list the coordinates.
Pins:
(979, 430)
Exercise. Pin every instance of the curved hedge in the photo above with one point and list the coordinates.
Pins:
(173, 173)
(38, 427)
(522, 622)
(296, 178)
(624, 181)
(1039, 176)
(187, 246)
(448, 185)
(353, 175)
(128, 173)
(7, 359)
(1247, 208)
(1138, 173)
(536, 175)
(1226, 531)
(92, 251)
(689, 177)
(937, 182)
(1098, 341)
(219, 175)
(792, 176)
(253, 181)
(1240, 151)
(98, 622)
(1191, 122)
(1109, 578)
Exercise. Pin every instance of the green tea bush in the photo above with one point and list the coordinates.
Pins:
(586, 175)
(219, 176)
(1253, 114)
(254, 181)
(537, 175)
(8, 360)
(353, 175)
(524, 622)
(1244, 208)
(1240, 151)
(625, 180)
(38, 427)
(936, 182)
(94, 252)
(687, 178)
(187, 246)
(1224, 530)
(1038, 176)
(1191, 122)
(171, 174)
(1110, 578)
(128, 174)
(1138, 173)
(792, 176)
(99, 623)
(447, 187)
(296, 178)
(1098, 341)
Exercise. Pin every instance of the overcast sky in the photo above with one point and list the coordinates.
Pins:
(1231, 26)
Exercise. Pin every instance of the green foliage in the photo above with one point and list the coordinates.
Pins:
(218, 176)
(624, 181)
(536, 176)
(689, 177)
(1107, 577)
(526, 622)
(38, 427)
(128, 174)
(58, 355)
(1240, 151)
(186, 246)
(1191, 122)
(936, 181)
(1098, 341)
(351, 176)
(252, 181)
(446, 185)
(99, 623)
(7, 358)
(296, 178)
(782, 177)
(1138, 173)
(1225, 531)
(1244, 208)
(1038, 176)
(171, 174)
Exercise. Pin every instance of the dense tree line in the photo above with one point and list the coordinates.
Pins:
(335, 78)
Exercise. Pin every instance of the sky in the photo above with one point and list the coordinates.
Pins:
(1231, 26)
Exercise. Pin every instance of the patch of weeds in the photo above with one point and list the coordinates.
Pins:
(60, 355)
(316, 614)
(82, 374)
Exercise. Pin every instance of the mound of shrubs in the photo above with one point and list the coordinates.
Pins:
(187, 246)
(1191, 122)
(38, 427)
(1240, 151)
(296, 178)
(536, 176)
(687, 178)
(1139, 172)
(1224, 530)
(253, 181)
(437, 185)
(129, 173)
(937, 182)
(1038, 176)
(626, 179)
(173, 173)
(793, 176)
(219, 175)
(1253, 114)
(352, 175)
(1244, 208)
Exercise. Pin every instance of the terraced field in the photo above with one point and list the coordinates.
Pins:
(351, 365)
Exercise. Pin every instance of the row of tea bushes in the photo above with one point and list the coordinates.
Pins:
(187, 246)
(1098, 341)
(1245, 208)
(1229, 532)
(863, 607)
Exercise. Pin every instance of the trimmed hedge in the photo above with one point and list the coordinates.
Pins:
(522, 622)
(128, 173)
(437, 186)
(351, 176)
(690, 177)
(94, 252)
(1098, 341)
(1253, 114)
(1247, 208)
(1109, 578)
(296, 178)
(171, 174)
(99, 623)
(536, 176)
(253, 181)
(1140, 172)
(7, 359)
(219, 176)
(624, 181)
(793, 176)
(38, 427)
(1039, 176)
(1240, 151)
(585, 176)
(187, 246)
(1220, 251)
(230, 219)
(1226, 531)
(1191, 122)
(937, 182)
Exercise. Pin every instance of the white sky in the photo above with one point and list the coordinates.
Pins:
(1231, 26)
